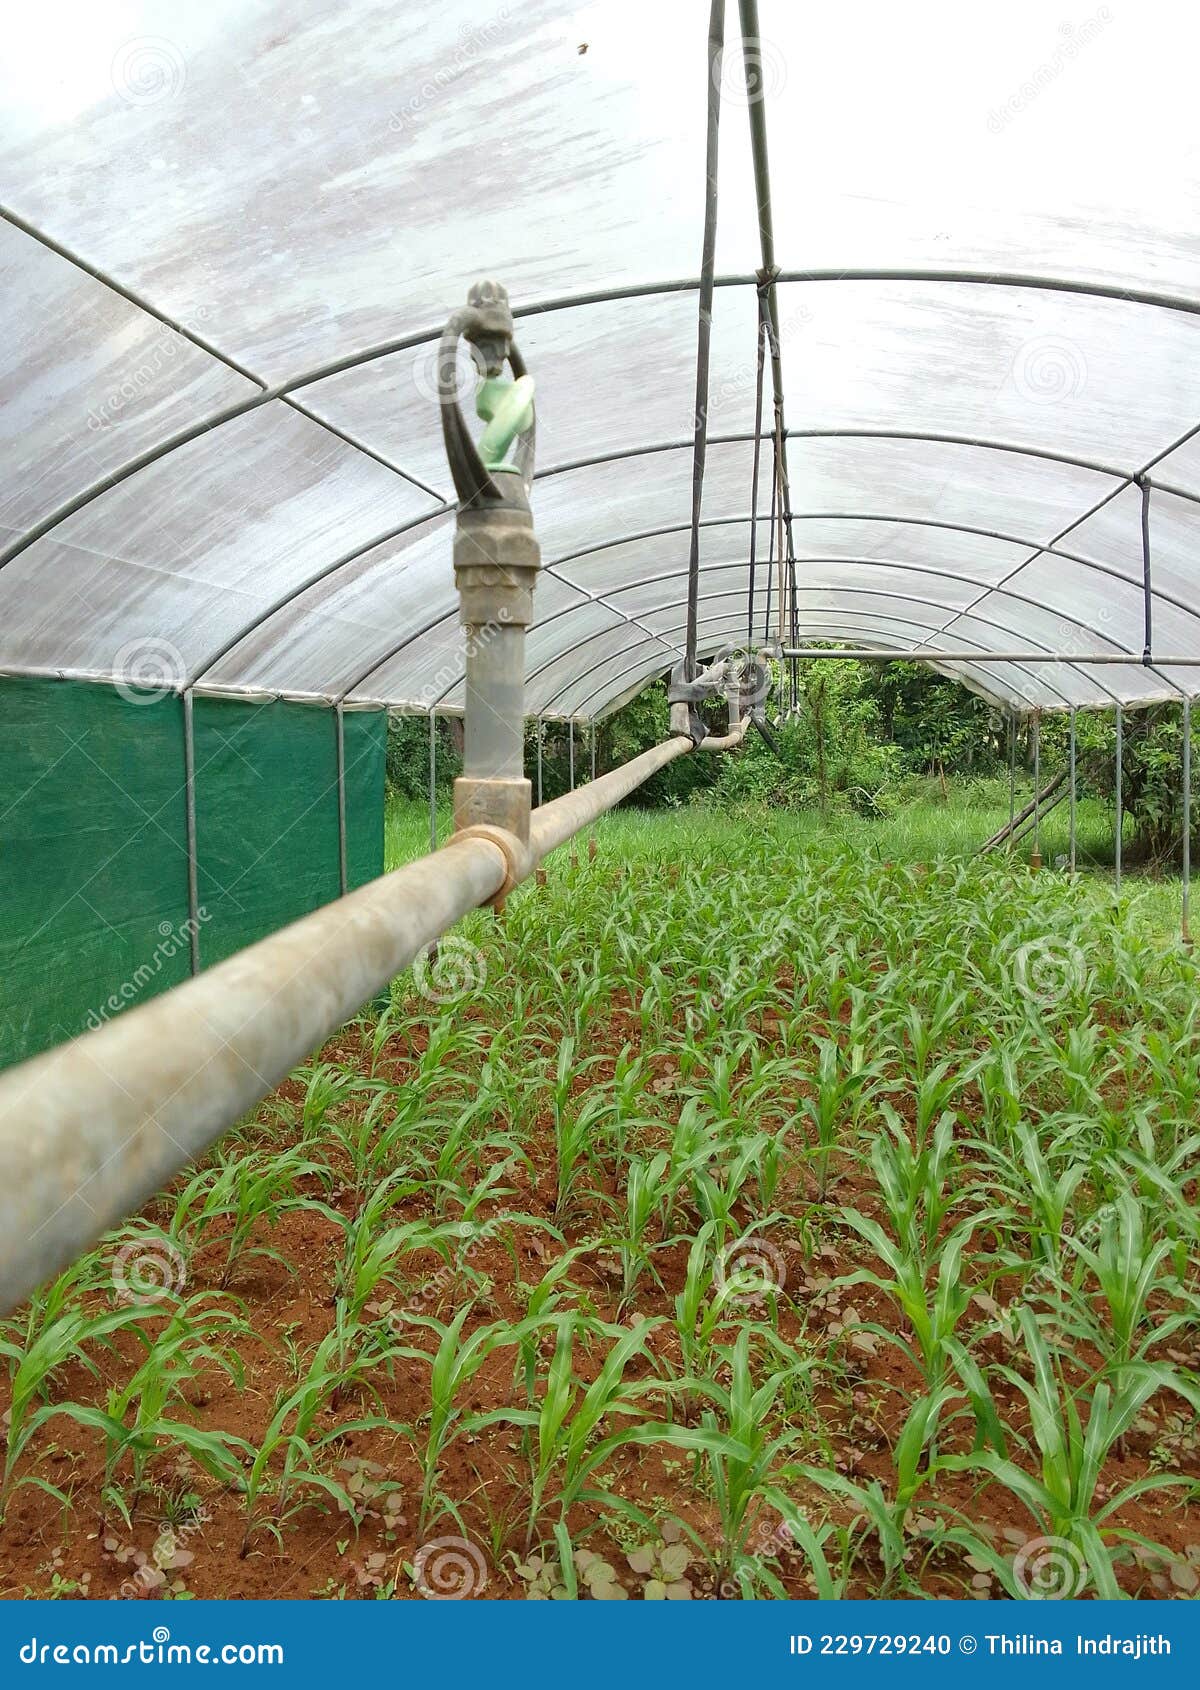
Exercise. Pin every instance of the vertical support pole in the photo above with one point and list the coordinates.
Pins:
(1147, 589)
(339, 733)
(189, 785)
(1071, 800)
(1035, 860)
(432, 781)
(541, 734)
(1187, 819)
(496, 562)
(1120, 815)
(708, 252)
(1012, 775)
(592, 726)
(571, 750)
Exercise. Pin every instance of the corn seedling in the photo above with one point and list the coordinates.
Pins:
(1063, 1502)
(741, 1454)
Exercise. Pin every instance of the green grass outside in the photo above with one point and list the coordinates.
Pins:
(921, 830)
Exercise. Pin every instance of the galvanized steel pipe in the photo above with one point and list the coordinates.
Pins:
(1119, 818)
(934, 654)
(554, 823)
(1187, 820)
(496, 560)
(726, 742)
(494, 691)
(1037, 790)
(1012, 776)
(432, 781)
(1071, 811)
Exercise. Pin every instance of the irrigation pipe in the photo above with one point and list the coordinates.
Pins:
(91, 1130)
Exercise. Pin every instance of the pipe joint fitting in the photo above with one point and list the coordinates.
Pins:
(491, 597)
(496, 563)
(518, 862)
(482, 801)
(685, 696)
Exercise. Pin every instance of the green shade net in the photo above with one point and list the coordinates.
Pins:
(267, 814)
(365, 737)
(266, 818)
(93, 840)
(93, 857)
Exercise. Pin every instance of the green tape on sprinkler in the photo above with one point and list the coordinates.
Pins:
(507, 409)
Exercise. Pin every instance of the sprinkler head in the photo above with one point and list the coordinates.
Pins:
(491, 328)
(484, 476)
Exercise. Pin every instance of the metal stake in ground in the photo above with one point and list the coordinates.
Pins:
(1035, 856)
(1071, 802)
(1120, 816)
(432, 781)
(339, 746)
(1012, 775)
(1187, 818)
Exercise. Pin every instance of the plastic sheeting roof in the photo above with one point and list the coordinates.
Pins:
(236, 227)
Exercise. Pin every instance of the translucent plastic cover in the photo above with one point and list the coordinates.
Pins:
(235, 228)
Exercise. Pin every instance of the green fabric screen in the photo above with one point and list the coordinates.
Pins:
(93, 856)
(365, 737)
(266, 818)
(267, 814)
(93, 840)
